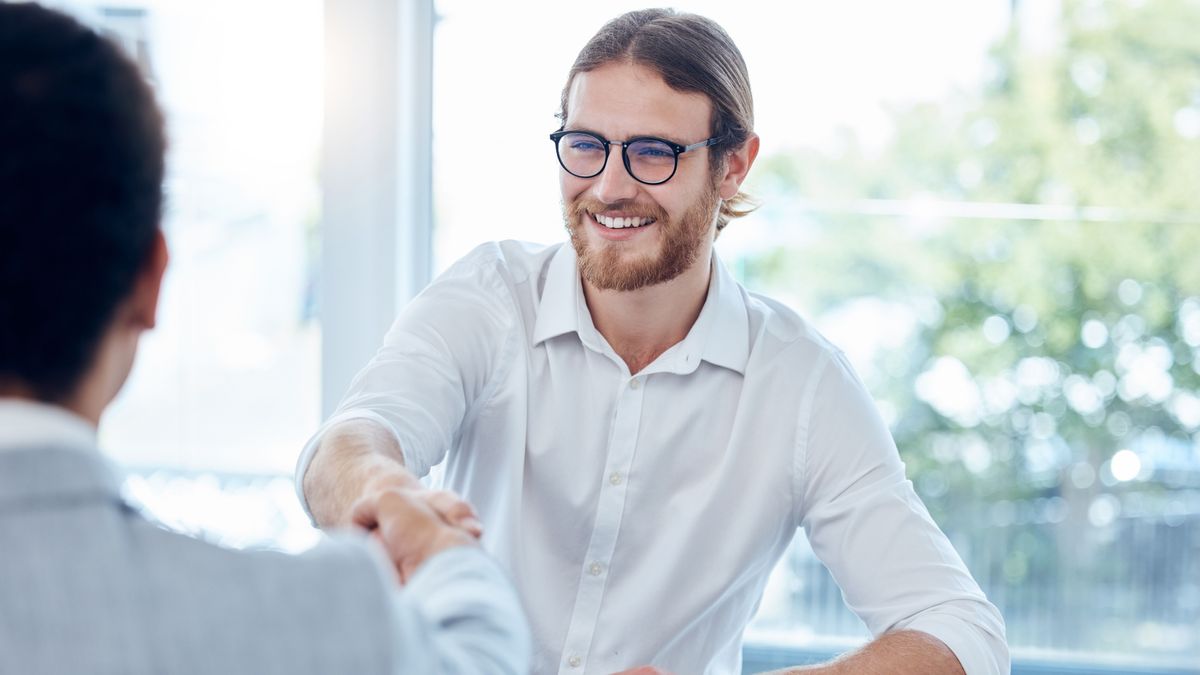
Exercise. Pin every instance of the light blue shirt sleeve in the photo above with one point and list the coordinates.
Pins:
(459, 615)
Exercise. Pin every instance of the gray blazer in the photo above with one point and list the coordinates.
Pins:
(87, 585)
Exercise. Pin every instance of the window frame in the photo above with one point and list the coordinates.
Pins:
(376, 177)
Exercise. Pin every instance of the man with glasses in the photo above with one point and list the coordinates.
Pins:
(640, 435)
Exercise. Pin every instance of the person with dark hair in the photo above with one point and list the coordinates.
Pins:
(87, 584)
(641, 435)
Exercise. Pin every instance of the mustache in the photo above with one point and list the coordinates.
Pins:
(585, 205)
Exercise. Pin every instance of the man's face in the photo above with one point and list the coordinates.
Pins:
(620, 101)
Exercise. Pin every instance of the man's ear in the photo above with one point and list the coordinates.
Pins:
(737, 165)
(144, 301)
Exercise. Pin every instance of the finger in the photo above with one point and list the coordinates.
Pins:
(448, 502)
(472, 526)
(454, 510)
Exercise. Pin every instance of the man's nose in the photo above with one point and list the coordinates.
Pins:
(614, 183)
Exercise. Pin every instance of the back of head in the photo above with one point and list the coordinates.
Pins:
(80, 193)
(692, 54)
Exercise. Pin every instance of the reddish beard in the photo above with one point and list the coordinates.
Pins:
(612, 266)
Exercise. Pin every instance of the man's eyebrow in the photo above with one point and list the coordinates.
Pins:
(663, 136)
(583, 130)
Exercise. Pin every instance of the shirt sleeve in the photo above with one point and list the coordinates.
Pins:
(434, 366)
(459, 614)
(896, 568)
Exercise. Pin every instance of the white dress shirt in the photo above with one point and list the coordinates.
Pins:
(641, 514)
(458, 613)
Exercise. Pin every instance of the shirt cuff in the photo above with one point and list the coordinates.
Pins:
(979, 653)
(437, 568)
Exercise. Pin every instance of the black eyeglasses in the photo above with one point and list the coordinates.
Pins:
(649, 160)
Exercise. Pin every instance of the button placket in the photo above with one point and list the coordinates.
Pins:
(609, 511)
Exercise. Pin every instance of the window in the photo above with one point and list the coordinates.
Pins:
(226, 389)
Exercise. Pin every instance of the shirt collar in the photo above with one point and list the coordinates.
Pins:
(558, 311)
(723, 327)
(28, 424)
(720, 335)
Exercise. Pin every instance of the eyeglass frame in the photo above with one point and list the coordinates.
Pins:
(677, 148)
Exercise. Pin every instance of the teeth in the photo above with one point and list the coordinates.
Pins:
(620, 223)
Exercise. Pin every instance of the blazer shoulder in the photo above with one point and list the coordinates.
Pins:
(330, 608)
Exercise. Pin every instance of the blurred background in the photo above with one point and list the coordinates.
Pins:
(993, 207)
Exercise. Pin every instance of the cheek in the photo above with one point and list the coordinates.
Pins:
(571, 187)
(674, 199)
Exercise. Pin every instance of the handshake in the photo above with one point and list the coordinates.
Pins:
(414, 523)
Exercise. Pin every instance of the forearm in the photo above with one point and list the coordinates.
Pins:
(903, 652)
(353, 456)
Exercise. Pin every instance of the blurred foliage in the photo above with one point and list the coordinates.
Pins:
(1103, 129)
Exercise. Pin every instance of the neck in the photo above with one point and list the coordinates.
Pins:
(640, 325)
(99, 383)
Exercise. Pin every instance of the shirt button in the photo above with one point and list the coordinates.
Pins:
(595, 569)
(633, 384)
(615, 478)
(574, 661)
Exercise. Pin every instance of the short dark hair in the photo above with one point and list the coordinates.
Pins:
(81, 170)
(692, 53)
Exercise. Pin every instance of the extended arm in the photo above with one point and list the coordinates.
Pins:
(897, 570)
(406, 406)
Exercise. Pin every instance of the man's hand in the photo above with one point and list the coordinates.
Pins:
(453, 510)
(415, 524)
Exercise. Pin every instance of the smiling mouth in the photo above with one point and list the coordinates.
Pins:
(621, 223)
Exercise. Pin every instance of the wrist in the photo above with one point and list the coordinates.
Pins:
(380, 475)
